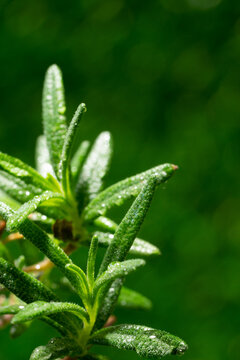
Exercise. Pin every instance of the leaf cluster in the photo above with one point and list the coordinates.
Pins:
(60, 207)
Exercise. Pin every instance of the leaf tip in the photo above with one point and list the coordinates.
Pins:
(175, 167)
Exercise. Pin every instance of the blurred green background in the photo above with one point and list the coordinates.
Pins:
(163, 77)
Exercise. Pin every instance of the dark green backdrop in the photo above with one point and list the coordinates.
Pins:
(163, 77)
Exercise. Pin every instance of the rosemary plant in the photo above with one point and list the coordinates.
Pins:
(60, 207)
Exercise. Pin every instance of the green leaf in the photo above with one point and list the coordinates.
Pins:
(64, 166)
(43, 164)
(122, 242)
(29, 289)
(4, 197)
(147, 342)
(39, 309)
(109, 303)
(10, 309)
(79, 281)
(56, 349)
(94, 169)
(139, 247)
(23, 285)
(39, 238)
(133, 300)
(117, 270)
(54, 121)
(29, 207)
(123, 190)
(18, 329)
(20, 262)
(20, 170)
(129, 226)
(105, 224)
(43, 221)
(17, 189)
(78, 160)
(91, 260)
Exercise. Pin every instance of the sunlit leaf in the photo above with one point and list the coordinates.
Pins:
(29, 207)
(54, 108)
(116, 270)
(39, 238)
(43, 163)
(39, 309)
(139, 247)
(69, 140)
(56, 349)
(94, 169)
(147, 342)
(122, 242)
(118, 193)
(17, 189)
(10, 309)
(129, 226)
(26, 173)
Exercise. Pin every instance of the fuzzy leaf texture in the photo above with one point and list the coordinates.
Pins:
(20, 170)
(130, 225)
(40, 308)
(94, 169)
(139, 247)
(10, 309)
(54, 120)
(121, 244)
(23, 285)
(39, 238)
(69, 140)
(43, 164)
(117, 269)
(118, 193)
(147, 342)
(26, 209)
(56, 349)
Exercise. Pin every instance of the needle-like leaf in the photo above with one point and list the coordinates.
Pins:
(56, 349)
(94, 169)
(91, 260)
(16, 188)
(116, 270)
(122, 242)
(69, 140)
(105, 224)
(26, 173)
(29, 289)
(118, 193)
(139, 247)
(29, 207)
(23, 285)
(133, 300)
(78, 279)
(54, 121)
(39, 309)
(78, 160)
(10, 309)
(43, 164)
(39, 238)
(130, 225)
(147, 342)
